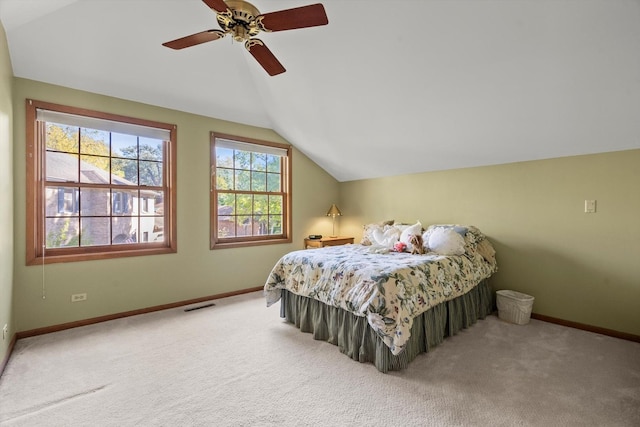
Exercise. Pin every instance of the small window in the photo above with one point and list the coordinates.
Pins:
(251, 188)
(98, 185)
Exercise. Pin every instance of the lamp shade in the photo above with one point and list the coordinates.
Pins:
(334, 211)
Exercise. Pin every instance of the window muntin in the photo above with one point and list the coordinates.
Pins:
(251, 187)
(99, 185)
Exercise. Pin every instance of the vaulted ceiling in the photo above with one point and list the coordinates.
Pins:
(386, 88)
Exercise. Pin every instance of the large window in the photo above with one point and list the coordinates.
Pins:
(250, 194)
(98, 185)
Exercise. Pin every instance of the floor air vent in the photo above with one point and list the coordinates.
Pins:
(199, 307)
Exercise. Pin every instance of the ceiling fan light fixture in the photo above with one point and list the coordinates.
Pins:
(240, 33)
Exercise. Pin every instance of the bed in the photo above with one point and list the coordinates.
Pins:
(383, 306)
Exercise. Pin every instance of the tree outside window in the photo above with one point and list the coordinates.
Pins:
(250, 195)
(98, 185)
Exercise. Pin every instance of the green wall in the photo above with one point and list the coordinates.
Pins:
(6, 196)
(579, 267)
(119, 285)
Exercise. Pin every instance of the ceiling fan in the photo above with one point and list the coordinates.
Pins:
(243, 21)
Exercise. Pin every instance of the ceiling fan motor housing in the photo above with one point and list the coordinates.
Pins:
(241, 22)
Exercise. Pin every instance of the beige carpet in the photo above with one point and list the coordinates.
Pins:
(239, 364)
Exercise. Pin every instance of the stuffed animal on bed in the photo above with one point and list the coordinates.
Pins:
(399, 247)
(417, 243)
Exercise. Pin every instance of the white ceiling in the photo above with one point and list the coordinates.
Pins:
(387, 88)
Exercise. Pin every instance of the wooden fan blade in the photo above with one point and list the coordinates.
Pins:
(263, 55)
(217, 5)
(290, 19)
(194, 39)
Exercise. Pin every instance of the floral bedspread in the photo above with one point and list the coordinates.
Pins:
(390, 289)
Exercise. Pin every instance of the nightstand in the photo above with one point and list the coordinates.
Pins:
(327, 241)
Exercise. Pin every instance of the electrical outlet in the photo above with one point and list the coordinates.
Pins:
(5, 332)
(78, 297)
(589, 206)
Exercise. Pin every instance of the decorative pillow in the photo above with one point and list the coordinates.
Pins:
(473, 237)
(387, 238)
(446, 241)
(412, 230)
(401, 226)
(425, 239)
(470, 234)
(367, 238)
(487, 251)
(460, 229)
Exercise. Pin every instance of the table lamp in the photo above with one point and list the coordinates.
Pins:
(334, 212)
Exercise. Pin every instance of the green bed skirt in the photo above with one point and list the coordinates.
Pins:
(355, 338)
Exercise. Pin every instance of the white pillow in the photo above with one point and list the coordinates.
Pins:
(387, 238)
(402, 227)
(446, 241)
(413, 230)
(425, 236)
(367, 235)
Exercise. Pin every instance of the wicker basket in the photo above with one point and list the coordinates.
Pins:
(514, 307)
